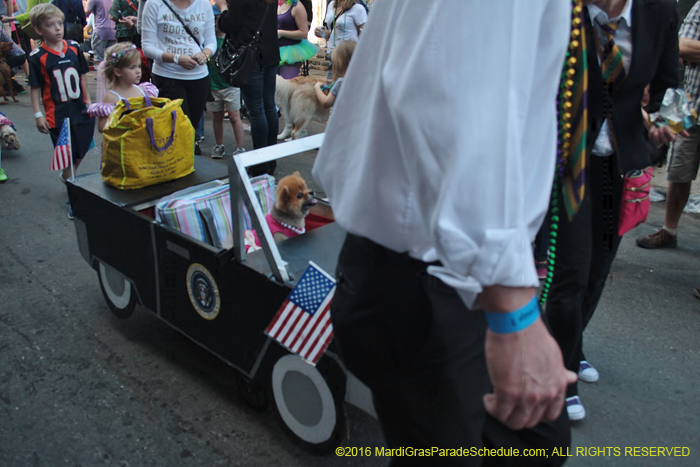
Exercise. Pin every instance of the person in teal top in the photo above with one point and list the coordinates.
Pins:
(226, 98)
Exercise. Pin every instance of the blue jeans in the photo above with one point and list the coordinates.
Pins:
(259, 97)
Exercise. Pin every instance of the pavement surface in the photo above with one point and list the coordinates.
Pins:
(79, 387)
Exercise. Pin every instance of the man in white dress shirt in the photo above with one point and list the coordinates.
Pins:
(439, 166)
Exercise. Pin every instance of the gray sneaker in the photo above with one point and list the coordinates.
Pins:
(238, 151)
(218, 152)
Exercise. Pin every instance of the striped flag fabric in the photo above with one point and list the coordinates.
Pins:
(303, 322)
(62, 152)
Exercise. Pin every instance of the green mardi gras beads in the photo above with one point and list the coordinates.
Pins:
(562, 138)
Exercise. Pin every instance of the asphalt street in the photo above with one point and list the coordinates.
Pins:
(79, 387)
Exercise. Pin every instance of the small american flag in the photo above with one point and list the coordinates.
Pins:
(62, 152)
(303, 323)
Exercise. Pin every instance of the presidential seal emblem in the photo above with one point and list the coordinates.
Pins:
(204, 294)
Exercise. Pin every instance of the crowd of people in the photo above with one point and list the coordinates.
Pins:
(176, 41)
(420, 256)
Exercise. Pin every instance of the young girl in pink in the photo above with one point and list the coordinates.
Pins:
(122, 73)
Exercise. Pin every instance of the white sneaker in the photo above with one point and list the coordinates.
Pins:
(218, 152)
(587, 373)
(238, 151)
(575, 408)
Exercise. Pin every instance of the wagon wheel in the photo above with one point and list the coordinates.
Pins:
(117, 290)
(311, 413)
(253, 393)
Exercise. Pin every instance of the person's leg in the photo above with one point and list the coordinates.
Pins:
(269, 84)
(218, 125)
(172, 89)
(681, 171)
(3, 175)
(237, 125)
(676, 199)
(99, 46)
(25, 68)
(410, 338)
(199, 132)
(233, 105)
(263, 122)
(252, 94)
(606, 193)
(197, 94)
(564, 307)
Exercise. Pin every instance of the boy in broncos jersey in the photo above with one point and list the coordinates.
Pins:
(57, 78)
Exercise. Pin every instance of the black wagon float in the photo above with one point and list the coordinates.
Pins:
(212, 291)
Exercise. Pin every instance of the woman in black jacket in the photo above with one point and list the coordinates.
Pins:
(240, 19)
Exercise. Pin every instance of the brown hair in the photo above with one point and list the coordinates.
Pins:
(344, 5)
(119, 56)
(40, 13)
(341, 56)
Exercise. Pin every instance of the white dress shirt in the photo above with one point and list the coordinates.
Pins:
(450, 156)
(623, 38)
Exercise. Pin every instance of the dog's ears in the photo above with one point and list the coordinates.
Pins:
(284, 194)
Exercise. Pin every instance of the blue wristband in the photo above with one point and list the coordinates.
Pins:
(506, 323)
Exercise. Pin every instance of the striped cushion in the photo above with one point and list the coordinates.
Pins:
(181, 210)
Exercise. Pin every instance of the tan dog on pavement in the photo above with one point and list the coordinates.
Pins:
(298, 104)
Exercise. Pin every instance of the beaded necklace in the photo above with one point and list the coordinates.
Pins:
(291, 227)
(564, 106)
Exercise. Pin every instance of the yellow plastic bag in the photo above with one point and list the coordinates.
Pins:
(147, 141)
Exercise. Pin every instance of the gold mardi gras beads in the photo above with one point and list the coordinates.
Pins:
(563, 142)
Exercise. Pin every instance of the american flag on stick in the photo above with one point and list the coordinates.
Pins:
(303, 323)
(62, 156)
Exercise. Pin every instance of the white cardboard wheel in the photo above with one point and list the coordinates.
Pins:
(303, 399)
(117, 291)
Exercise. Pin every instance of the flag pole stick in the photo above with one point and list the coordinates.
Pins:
(70, 159)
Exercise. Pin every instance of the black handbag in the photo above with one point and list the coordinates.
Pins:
(235, 64)
(74, 31)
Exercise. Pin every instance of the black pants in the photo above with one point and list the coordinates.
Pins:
(586, 248)
(193, 93)
(412, 340)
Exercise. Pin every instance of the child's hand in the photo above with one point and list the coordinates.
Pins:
(317, 86)
(42, 126)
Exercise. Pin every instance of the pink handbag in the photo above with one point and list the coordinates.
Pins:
(634, 206)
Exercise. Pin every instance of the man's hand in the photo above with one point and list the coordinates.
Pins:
(528, 376)
(660, 135)
(128, 21)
